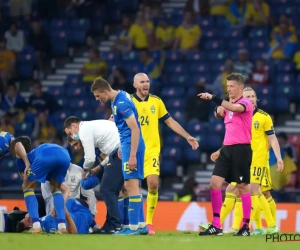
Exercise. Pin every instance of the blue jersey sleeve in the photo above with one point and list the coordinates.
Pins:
(124, 107)
(20, 165)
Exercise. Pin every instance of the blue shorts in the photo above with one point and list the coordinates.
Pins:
(138, 173)
(81, 215)
(49, 164)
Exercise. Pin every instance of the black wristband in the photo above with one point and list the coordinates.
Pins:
(216, 109)
(217, 100)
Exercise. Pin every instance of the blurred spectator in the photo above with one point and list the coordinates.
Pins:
(237, 10)
(187, 34)
(260, 76)
(243, 65)
(199, 7)
(187, 193)
(219, 87)
(44, 131)
(284, 45)
(148, 13)
(257, 13)
(40, 40)
(148, 66)
(95, 67)
(20, 8)
(219, 7)
(14, 38)
(164, 34)
(11, 98)
(7, 64)
(286, 20)
(141, 32)
(286, 146)
(194, 104)
(297, 60)
(41, 101)
(122, 43)
(118, 80)
(6, 124)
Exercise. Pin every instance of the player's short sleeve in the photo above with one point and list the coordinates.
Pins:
(20, 165)
(163, 114)
(269, 127)
(246, 104)
(124, 107)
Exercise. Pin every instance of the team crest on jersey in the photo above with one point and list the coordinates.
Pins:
(256, 125)
(73, 178)
(152, 109)
(230, 114)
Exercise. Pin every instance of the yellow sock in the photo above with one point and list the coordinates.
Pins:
(272, 205)
(227, 206)
(152, 199)
(238, 214)
(257, 218)
(266, 211)
(254, 206)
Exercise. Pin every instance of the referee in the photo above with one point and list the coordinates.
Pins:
(233, 164)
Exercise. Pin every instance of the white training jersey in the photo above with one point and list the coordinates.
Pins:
(101, 134)
(73, 179)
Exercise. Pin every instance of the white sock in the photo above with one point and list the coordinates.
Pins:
(62, 226)
(133, 227)
(142, 224)
(36, 225)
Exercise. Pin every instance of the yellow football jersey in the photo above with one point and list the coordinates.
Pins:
(150, 111)
(262, 126)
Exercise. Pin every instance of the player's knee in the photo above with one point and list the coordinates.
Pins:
(254, 188)
(267, 194)
(243, 188)
(216, 182)
(231, 189)
(153, 185)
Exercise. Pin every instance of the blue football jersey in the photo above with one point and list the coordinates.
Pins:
(122, 108)
(5, 140)
(43, 150)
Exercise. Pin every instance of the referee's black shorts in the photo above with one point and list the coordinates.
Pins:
(234, 163)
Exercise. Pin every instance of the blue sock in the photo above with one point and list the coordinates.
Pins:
(134, 209)
(121, 209)
(32, 205)
(59, 205)
(142, 216)
(125, 211)
(93, 223)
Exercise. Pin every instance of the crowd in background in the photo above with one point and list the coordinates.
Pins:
(151, 35)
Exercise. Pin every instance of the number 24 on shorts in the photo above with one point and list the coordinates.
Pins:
(155, 162)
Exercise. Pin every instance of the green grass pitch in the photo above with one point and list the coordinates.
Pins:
(163, 240)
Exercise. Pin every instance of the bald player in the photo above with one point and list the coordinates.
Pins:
(151, 110)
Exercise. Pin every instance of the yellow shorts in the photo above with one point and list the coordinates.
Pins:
(151, 165)
(266, 184)
(261, 176)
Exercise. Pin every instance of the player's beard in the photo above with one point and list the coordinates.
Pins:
(144, 93)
